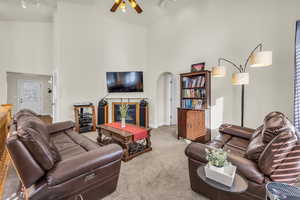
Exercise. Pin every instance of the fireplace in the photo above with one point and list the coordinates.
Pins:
(133, 114)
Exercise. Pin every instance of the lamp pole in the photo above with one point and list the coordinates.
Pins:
(242, 69)
(243, 105)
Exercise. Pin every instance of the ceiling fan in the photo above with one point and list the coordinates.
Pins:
(122, 5)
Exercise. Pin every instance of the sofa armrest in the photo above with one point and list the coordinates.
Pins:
(60, 126)
(84, 163)
(196, 151)
(238, 131)
(247, 168)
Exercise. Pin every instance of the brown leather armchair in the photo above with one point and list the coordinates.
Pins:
(269, 153)
(54, 162)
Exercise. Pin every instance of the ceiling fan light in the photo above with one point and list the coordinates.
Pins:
(133, 4)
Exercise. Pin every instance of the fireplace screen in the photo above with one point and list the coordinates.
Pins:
(131, 114)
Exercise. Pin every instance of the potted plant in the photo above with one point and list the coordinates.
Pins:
(123, 111)
(217, 159)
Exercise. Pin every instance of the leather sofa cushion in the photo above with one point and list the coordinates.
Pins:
(62, 141)
(276, 152)
(38, 147)
(234, 150)
(82, 141)
(71, 151)
(219, 141)
(40, 127)
(247, 168)
(239, 143)
(28, 168)
(70, 143)
(274, 124)
(256, 145)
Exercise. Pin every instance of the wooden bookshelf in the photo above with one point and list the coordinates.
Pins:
(195, 86)
(195, 100)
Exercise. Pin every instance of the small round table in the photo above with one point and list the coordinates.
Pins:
(240, 185)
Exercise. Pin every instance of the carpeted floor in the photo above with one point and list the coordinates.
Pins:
(159, 174)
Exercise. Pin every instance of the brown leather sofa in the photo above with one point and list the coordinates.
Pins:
(55, 163)
(269, 153)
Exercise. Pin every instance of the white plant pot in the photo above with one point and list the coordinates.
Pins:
(216, 169)
(123, 122)
(223, 175)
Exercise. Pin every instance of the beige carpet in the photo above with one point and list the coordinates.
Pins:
(161, 174)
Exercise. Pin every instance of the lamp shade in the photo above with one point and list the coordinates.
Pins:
(261, 59)
(240, 79)
(219, 71)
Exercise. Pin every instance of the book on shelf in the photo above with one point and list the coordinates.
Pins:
(192, 104)
(194, 93)
(193, 82)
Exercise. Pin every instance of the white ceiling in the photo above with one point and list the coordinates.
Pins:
(12, 10)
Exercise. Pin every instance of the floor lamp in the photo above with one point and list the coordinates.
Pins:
(257, 58)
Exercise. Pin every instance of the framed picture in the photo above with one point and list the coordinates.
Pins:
(198, 67)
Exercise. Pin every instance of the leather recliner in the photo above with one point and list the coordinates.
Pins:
(55, 163)
(269, 153)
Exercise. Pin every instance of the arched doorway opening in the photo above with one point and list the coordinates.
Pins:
(166, 101)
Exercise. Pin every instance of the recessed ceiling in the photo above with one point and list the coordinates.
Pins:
(12, 10)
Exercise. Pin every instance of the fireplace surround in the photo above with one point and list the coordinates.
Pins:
(133, 115)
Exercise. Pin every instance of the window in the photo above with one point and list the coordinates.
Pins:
(297, 78)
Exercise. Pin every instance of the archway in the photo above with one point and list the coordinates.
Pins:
(165, 100)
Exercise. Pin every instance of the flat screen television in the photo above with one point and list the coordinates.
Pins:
(124, 82)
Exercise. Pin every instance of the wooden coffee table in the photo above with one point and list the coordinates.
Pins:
(123, 138)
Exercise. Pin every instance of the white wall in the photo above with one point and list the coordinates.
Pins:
(208, 29)
(88, 44)
(25, 47)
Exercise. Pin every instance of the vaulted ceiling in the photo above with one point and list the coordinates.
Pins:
(12, 10)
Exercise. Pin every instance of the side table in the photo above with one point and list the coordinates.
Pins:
(240, 185)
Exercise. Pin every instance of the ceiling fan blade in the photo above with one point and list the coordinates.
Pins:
(115, 6)
(136, 6)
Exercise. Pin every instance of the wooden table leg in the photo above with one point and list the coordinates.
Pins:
(148, 141)
(99, 139)
(126, 151)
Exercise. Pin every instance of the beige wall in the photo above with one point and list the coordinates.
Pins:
(208, 29)
(25, 47)
(88, 44)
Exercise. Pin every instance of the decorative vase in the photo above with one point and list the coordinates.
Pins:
(123, 122)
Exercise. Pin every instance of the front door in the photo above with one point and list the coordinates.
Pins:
(30, 95)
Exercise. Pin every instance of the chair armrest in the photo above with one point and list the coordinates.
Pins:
(238, 131)
(83, 163)
(60, 126)
(247, 168)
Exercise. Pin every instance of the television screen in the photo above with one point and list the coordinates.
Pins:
(124, 81)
